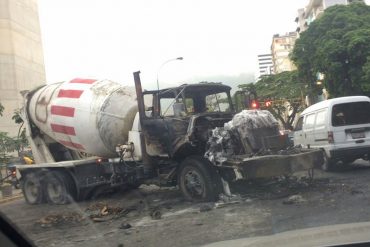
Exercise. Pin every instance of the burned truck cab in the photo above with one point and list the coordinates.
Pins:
(177, 121)
(193, 137)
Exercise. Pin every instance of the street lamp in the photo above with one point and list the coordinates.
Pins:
(160, 67)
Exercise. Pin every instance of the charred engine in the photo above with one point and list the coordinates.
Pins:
(250, 132)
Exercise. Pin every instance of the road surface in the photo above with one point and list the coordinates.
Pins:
(153, 216)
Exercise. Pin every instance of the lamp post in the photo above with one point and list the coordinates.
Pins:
(160, 67)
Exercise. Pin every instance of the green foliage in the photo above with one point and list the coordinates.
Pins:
(285, 85)
(285, 90)
(11, 144)
(338, 45)
(8, 145)
(1, 109)
(17, 117)
(21, 137)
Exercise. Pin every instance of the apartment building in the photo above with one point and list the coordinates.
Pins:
(281, 47)
(265, 65)
(313, 11)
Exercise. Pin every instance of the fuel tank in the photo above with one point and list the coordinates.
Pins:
(86, 115)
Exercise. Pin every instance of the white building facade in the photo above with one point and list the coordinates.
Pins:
(265, 65)
(314, 9)
(21, 56)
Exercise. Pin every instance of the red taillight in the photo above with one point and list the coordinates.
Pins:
(255, 104)
(330, 137)
(101, 160)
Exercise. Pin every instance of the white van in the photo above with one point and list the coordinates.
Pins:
(340, 127)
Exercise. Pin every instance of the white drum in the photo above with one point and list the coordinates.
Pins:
(87, 115)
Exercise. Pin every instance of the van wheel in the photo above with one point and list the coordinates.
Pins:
(59, 188)
(198, 181)
(32, 189)
(328, 163)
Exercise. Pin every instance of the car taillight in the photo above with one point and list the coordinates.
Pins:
(330, 137)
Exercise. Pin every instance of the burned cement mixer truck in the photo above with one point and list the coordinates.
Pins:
(90, 134)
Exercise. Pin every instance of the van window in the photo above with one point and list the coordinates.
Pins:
(299, 124)
(320, 118)
(310, 120)
(351, 113)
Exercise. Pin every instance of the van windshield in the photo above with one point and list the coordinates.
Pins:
(351, 113)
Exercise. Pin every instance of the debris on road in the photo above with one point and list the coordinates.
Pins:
(125, 226)
(206, 207)
(156, 214)
(224, 204)
(227, 200)
(355, 191)
(61, 218)
(294, 199)
(100, 212)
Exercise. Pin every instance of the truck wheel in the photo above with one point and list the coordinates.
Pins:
(59, 188)
(197, 181)
(32, 189)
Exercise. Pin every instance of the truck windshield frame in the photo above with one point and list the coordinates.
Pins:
(194, 96)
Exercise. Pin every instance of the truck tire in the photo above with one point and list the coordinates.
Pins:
(59, 188)
(198, 181)
(32, 189)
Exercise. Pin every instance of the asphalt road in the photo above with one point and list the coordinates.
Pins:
(152, 216)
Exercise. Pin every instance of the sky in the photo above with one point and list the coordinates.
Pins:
(110, 39)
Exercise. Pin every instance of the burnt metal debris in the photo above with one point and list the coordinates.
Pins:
(249, 132)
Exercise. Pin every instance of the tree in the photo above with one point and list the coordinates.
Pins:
(10, 144)
(285, 91)
(7, 146)
(1, 109)
(337, 45)
(21, 137)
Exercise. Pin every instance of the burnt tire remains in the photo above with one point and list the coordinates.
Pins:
(198, 181)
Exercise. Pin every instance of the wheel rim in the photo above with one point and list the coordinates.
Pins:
(32, 191)
(194, 183)
(55, 191)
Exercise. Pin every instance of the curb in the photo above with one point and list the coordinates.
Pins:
(11, 198)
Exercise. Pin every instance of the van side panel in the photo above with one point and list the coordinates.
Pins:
(321, 129)
(308, 129)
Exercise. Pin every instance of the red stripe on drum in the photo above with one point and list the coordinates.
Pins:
(75, 94)
(62, 111)
(84, 81)
(63, 129)
(71, 144)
